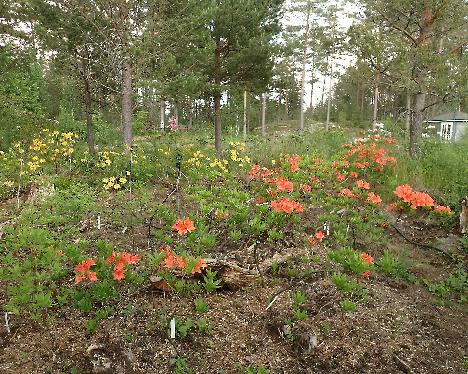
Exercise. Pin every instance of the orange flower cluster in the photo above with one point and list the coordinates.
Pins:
(82, 271)
(286, 205)
(369, 151)
(346, 192)
(183, 227)
(318, 237)
(293, 160)
(442, 209)
(373, 198)
(282, 184)
(367, 258)
(415, 199)
(120, 260)
(172, 261)
(363, 184)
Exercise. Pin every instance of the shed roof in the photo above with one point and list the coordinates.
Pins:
(459, 116)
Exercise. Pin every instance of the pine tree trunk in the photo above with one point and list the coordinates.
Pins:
(416, 128)
(89, 119)
(244, 130)
(264, 107)
(329, 97)
(312, 82)
(376, 100)
(408, 112)
(217, 100)
(304, 65)
(127, 104)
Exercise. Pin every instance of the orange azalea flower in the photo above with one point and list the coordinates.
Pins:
(442, 209)
(421, 199)
(254, 171)
(259, 200)
(340, 178)
(182, 227)
(345, 192)
(283, 184)
(319, 235)
(197, 268)
(119, 274)
(363, 184)
(92, 276)
(404, 192)
(373, 198)
(367, 258)
(366, 274)
(286, 205)
(353, 174)
(82, 271)
(170, 261)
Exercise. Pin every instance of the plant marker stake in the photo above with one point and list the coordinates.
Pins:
(172, 325)
(99, 222)
(272, 302)
(7, 322)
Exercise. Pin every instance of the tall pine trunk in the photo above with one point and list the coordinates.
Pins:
(304, 66)
(217, 100)
(376, 99)
(264, 104)
(408, 111)
(329, 97)
(416, 126)
(127, 104)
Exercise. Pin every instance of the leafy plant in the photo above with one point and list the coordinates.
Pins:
(210, 282)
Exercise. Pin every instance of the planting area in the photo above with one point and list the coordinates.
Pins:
(303, 253)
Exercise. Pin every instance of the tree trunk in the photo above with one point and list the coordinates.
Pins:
(244, 130)
(217, 100)
(264, 104)
(162, 114)
(286, 104)
(408, 112)
(304, 64)
(329, 96)
(416, 128)
(89, 119)
(312, 82)
(127, 104)
(376, 99)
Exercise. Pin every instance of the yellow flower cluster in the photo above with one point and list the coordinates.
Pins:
(49, 145)
(115, 183)
(35, 163)
(237, 148)
(197, 158)
(221, 164)
(8, 184)
(105, 158)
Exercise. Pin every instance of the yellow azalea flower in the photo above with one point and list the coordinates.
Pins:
(116, 186)
(123, 180)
